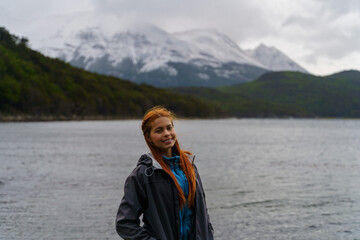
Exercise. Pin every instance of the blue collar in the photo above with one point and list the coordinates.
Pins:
(172, 160)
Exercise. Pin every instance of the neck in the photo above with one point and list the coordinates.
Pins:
(167, 154)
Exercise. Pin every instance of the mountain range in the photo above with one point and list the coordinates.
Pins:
(144, 53)
(35, 87)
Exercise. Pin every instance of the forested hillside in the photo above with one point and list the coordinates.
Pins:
(288, 94)
(35, 87)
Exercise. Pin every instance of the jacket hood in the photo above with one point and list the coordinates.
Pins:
(149, 160)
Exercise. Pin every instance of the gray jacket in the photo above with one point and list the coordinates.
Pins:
(151, 192)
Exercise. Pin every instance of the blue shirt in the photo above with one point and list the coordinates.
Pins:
(186, 213)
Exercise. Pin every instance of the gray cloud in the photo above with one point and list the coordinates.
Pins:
(338, 8)
(321, 28)
(330, 30)
(240, 19)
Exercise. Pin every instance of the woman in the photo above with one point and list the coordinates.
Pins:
(165, 188)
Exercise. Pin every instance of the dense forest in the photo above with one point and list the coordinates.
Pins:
(35, 87)
(288, 94)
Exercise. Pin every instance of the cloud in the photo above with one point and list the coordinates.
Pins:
(336, 8)
(329, 30)
(309, 31)
(238, 18)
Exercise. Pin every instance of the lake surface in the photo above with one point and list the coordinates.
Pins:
(264, 179)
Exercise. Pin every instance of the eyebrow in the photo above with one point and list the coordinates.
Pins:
(163, 127)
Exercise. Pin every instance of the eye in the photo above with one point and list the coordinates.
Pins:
(158, 130)
(169, 127)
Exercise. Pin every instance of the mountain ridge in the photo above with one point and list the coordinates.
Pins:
(147, 51)
(274, 59)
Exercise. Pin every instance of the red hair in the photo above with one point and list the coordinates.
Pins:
(187, 167)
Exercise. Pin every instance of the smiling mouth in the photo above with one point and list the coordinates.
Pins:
(167, 140)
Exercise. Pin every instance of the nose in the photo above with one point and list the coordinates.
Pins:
(166, 132)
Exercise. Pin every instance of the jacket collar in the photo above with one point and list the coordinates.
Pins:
(154, 162)
(149, 160)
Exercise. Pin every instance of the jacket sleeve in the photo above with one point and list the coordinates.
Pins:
(204, 199)
(131, 207)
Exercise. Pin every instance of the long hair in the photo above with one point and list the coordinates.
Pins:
(185, 164)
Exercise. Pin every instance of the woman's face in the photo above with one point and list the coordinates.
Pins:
(163, 135)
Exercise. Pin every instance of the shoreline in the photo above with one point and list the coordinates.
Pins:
(54, 118)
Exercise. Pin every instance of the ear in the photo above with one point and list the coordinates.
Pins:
(148, 139)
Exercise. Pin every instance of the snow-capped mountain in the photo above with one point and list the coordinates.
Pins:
(274, 59)
(147, 54)
(210, 44)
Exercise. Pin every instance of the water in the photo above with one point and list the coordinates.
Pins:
(264, 179)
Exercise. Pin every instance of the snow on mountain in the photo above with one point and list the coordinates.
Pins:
(146, 53)
(273, 59)
(212, 44)
(151, 46)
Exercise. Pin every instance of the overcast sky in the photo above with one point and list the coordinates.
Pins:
(323, 36)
